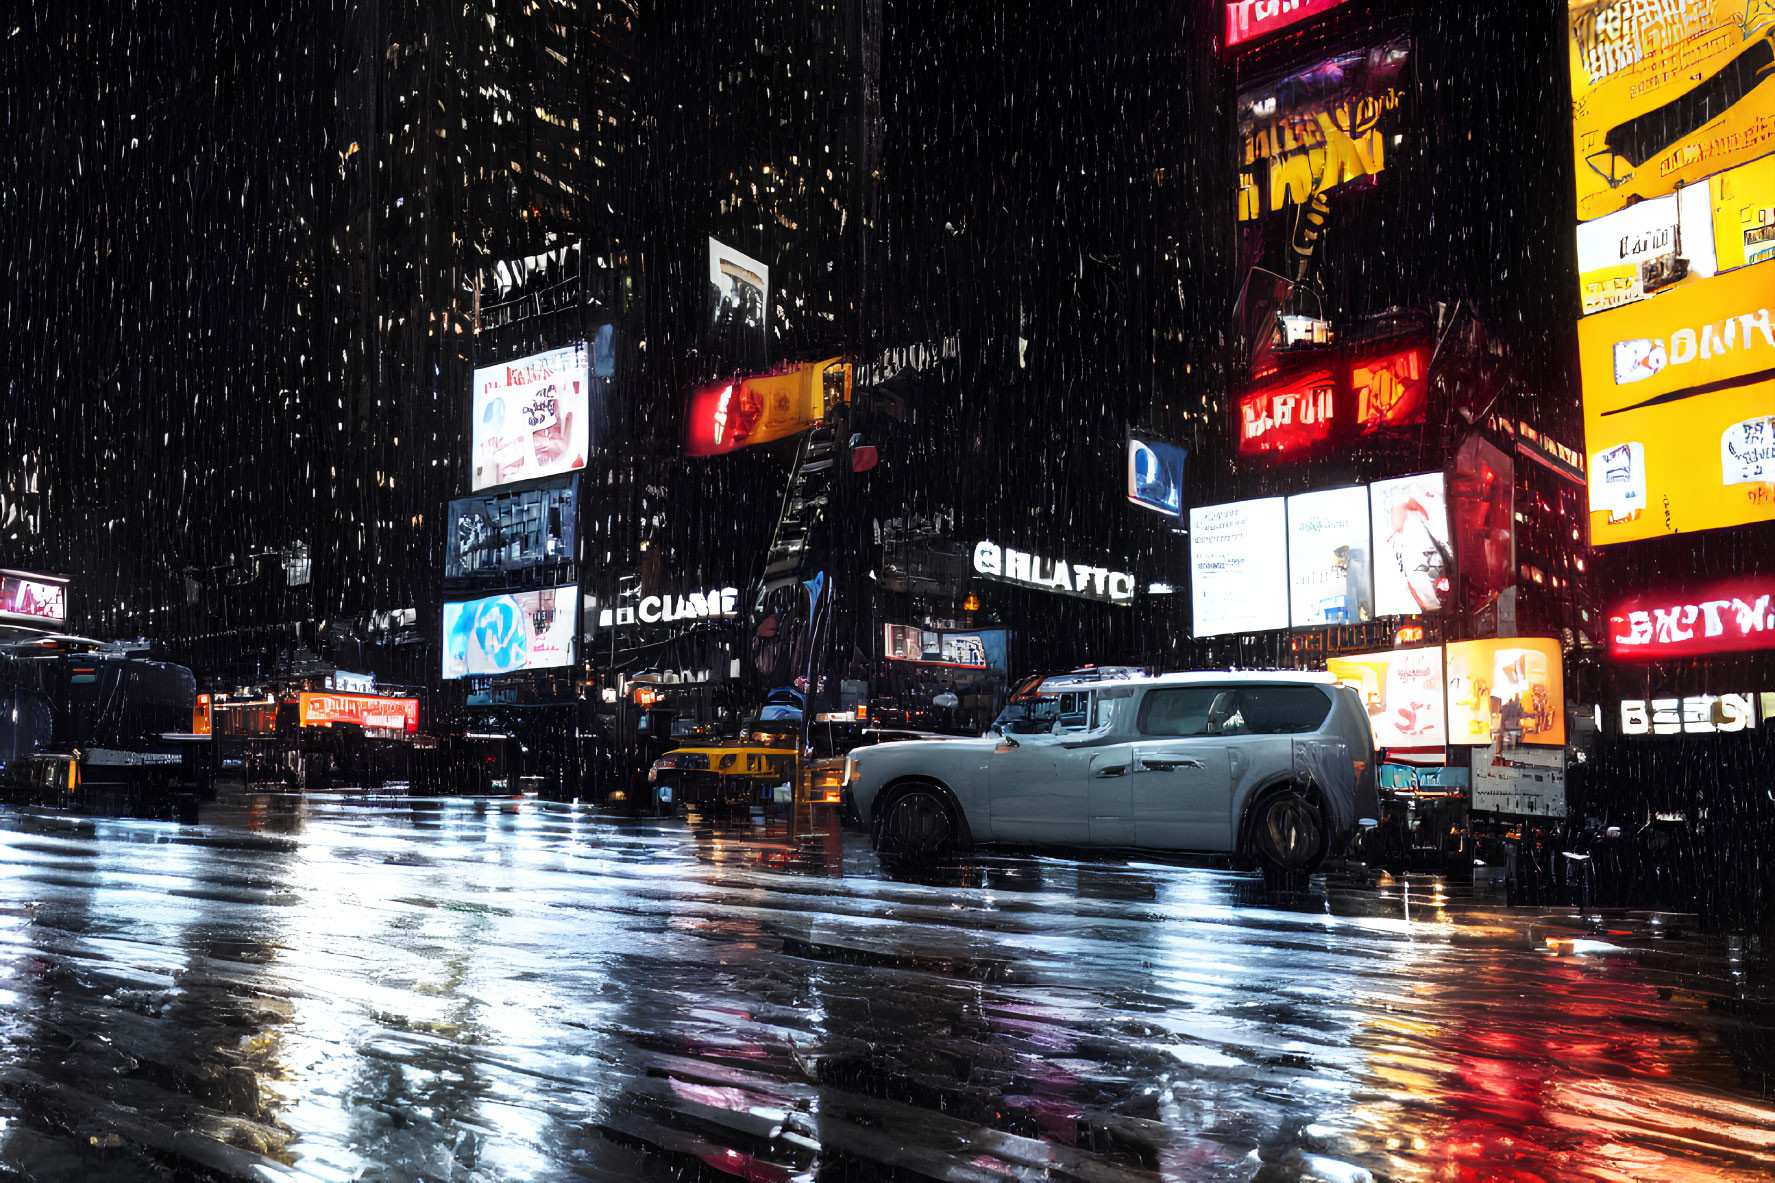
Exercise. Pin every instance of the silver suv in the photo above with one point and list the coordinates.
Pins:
(1277, 767)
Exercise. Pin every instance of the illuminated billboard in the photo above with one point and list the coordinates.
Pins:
(1291, 415)
(1679, 409)
(1248, 19)
(1155, 474)
(1390, 388)
(531, 417)
(29, 598)
(1413, 560)
(745, 411)
(316, 709)
(739, 305)
(1335, 394)
(493, 535)
(505, 634)
(1238, 557)
(1665, 94)
(1310, 132)
(977, 649)
(1404, 692)
(1732, 617)
(1506, 687)
(1329, 570)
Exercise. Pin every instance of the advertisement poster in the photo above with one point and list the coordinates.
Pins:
(1479, 497)
(1329, 572)
(1238, 567)
(1310, 132)
(531, 417)
(503, 634)
(1404, 692)
(365, 710)
(1741, 203)
(1523, 782)
(33, 599)
(747, 411)
(1246, 19)
(1413, 560)
(1508, 688)
(979, 649)
(1679, 409)
(739, 302)
(1666, 94)
(1155, 475)
(494, 534)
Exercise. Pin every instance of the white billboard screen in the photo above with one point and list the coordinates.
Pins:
(1413, 561)
(1330, 575)
(503, 634)
(1404, 693)
(1238, 571)
(531, 417)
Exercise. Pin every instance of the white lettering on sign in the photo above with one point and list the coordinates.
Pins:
(1642, 357)
(1744, 619)
(1076, 579)
(1698, 714)
(662, 609)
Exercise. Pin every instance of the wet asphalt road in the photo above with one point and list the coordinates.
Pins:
(339, 989)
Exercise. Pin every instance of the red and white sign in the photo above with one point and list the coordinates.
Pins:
(33, 598)
(1289, 417)
(1728, 618)
(1246, 19)
(366, 710)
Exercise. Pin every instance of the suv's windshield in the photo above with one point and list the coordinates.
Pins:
(1070, 710)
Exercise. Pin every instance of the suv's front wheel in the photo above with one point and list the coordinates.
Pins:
(916, 826)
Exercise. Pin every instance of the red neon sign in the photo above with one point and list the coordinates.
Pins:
(1729, 617)
(1288, 417)
(1246, 19)
(366, 710)
(1391, 389)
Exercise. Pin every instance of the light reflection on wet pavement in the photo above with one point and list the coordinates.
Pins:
(515, 990)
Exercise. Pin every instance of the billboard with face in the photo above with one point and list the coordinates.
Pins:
(1329, 569)
(531, 417)
(1155, 474)
(495, 534)
(1238, 566)
(507, 633)
(1413, 561)
(1404, 692)
(1506, 688)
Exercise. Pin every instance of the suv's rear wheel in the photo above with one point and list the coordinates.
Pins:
(1288, 832)
(917, 825)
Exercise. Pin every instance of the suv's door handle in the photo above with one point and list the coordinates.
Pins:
(1162, 764)
(1117, 770)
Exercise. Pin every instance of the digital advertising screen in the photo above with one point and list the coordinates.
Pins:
(1679, 410)
(27, 598)
(1480, 499)
(1391, 388)
(1247, 20)
(1664, 95)
(739, 305)
(1155, 474)
(315, 709)
(757, 410)
(1329, 565)
(979, 649)
(1239, 567)
(1413, 558)
(504, 634)
(1290, 415)
(1506, 688)
(531, 417)
(494, 534)
(1404, 692)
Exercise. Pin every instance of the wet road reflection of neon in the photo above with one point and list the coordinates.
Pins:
(334, 989)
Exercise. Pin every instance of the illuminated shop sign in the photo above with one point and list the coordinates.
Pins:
(34, 599)
(696, 605)
(746, 411)
(1009, 565)
(1310, 132)
(1391, 388)
(1246, 19)
(365, 710)
(1697, 714)
(1289, 417)
(1664, 94)
(1339, 394)
(1732, 617)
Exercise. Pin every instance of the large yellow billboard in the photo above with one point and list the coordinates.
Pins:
(1679, 409)
(1666, 93)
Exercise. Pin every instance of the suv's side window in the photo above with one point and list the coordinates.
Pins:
(1185, 710)
(1281, 710)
